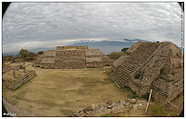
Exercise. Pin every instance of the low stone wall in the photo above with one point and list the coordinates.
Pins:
(6, 68)
(16, 83)
(112, 107)
(94, 64)
(47, 65)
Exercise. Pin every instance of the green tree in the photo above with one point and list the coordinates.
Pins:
(26, 55)
(124, 49)
(40, 52)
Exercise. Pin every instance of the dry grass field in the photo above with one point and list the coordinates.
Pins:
(56, 92)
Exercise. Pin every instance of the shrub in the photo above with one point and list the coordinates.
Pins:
(124, 49)
(40, 52)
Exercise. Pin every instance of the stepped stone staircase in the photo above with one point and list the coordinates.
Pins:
(133, 62)
(16, 83)
(156, 66)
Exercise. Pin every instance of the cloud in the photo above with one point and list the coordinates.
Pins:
(45, 24)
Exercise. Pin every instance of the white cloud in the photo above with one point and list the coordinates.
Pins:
(35, 25)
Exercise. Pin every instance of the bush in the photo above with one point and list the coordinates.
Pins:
(124, 49)
(40, 52)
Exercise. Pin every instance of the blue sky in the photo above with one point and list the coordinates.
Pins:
(45, 25)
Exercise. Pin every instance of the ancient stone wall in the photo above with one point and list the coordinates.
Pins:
(95, 58)
(6, 68)
(16, 82)
(159, 66)
(129, 64)
(46, 60)
(72, 57)
(49, 53)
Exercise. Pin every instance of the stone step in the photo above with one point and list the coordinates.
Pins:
(128, 66)
(119, 82)
(126, 70)
(133, 65)
(123, 74)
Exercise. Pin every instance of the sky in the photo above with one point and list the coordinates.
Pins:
(45, 25)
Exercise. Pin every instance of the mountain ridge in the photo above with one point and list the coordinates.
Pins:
(105, 46)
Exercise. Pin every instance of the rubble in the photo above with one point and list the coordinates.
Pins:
(17, 76)
(111, 107)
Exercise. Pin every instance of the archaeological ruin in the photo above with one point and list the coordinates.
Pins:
(150, 70)
(16, 76)
(72, 57)
(156, 66)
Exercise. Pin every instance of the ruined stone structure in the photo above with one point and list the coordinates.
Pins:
(156, 66)
(16, 77)
(6, 68)
(72, 57)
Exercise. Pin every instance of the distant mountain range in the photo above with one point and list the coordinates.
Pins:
(108, 46)
(105, 46)
(10, 53)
